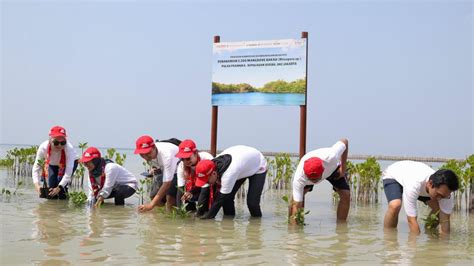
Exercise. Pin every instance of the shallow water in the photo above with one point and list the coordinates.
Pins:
(38, 231)
(52, 232)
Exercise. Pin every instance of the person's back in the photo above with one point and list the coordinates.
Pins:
(246, 161)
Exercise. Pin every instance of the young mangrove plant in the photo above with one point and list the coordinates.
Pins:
(119, 157)
(141, 190)
(364, 179)
(281, 170)
(180, 212)
(431, 221)
(299, 215)
(78, 198)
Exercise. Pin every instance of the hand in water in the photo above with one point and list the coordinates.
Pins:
(99, 202)
(145, 207)
(186, 196)
(54, 191)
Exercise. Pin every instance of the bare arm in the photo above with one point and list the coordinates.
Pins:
(344, 158)
(157, 200)
(293, 209)
(413, 225)
(444, 222)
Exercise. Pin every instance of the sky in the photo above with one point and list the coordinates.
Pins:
(394, 77)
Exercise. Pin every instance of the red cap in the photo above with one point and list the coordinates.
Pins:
(186, 149)
(144, 144)
(313, 168)
(57, 131)
(89, 154)
(203, 170)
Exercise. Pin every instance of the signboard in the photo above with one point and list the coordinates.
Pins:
(259, 73)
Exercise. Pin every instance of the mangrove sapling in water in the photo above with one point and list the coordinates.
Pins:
(282, 170)
(364, 179)
(299, 215)
(180, 212)
(78, 198)
(7, 194)
(431, 221)
(141, 190)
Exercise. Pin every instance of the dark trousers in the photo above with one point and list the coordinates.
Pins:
(53, 171)
(256, 184)
(120, 193)
(54, 179)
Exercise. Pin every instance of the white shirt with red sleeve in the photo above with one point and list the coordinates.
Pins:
(116, 175)
(54, 159)
(181, 176)
(331, 158)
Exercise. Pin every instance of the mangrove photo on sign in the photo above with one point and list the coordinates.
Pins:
(259, 73)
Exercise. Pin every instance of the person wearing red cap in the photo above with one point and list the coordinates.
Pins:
(318, 165)
(190, 156)
(160, 155)
(107, 179)
(60, 162)
(228, 171)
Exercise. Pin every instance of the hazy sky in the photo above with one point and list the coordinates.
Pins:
(394, 77)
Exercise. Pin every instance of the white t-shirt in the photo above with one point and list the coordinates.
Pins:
(115, 175)
(246, 161)
(181, 177)
(331, 158)
(54, 159)
(413, 176)
(166, 160)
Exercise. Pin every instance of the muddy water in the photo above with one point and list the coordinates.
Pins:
(52, 232)
(37, 231)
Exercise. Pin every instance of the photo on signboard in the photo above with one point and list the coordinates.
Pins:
(259, 73)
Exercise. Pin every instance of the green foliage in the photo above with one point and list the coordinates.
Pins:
(78, 198)
(180, 212)
(432, 220)
(281, 169)
(82, 146)
(231, 88)
(364, 178)
(277, 86)
(19, 160)
(142, 188)
(119, 157)
(281, 86)
(299, 215)
(6, 193)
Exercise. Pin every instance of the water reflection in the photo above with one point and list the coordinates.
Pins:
(105, 225)
(52, 228)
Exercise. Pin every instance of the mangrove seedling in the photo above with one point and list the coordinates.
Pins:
(431, 221)
(299, 215)
(78, 198)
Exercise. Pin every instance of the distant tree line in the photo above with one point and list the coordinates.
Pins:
(278, 86)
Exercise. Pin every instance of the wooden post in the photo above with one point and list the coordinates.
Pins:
(215, 110)
(304, 35)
